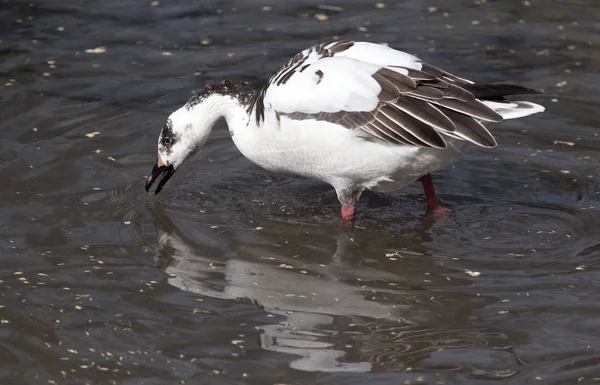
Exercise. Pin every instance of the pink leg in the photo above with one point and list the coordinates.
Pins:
(433, 203)
(348, 215)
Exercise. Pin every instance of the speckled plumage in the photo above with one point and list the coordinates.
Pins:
(244, 92)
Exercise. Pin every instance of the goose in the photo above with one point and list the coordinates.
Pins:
(355, 115)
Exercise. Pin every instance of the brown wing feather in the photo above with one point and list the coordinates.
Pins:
(380, 126)
(471, 130)
(405, 124)
(422, 105)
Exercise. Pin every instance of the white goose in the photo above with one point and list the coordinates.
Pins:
(355, 115)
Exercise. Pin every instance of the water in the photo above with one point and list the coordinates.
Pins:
(237, 275)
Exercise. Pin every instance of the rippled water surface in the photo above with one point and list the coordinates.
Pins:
(237, 275)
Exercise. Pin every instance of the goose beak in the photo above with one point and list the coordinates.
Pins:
(158, 169)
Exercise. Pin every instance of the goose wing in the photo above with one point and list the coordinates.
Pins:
(385, 93)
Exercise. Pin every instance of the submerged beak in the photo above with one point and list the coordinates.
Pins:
(158, 169)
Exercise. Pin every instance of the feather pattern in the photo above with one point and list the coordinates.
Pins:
(387, 94)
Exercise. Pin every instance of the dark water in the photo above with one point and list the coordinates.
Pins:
(102, 284)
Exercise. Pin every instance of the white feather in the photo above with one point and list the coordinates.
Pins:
(515, 109)
(345, 85)
(381, 55)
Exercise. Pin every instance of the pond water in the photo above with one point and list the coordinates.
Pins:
(235, 275)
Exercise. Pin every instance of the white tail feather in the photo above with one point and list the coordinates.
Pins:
(514, 109)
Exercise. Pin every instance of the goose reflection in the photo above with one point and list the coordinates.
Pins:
(334, 309)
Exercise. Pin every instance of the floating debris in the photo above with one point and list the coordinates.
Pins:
(472, 273)
(96, 50)
(334, 8)
(570, 144)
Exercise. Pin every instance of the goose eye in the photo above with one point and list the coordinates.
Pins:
(167, 140)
